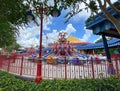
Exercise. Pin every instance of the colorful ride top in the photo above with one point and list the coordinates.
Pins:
(62, 47)
(63, 51)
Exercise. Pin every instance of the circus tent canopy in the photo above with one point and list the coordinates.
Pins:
(75, 41)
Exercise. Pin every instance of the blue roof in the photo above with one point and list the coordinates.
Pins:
(45, 49)
(98, 19)
(111, 43)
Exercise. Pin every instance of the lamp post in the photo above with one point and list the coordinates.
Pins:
(55, 13)
(39, 64)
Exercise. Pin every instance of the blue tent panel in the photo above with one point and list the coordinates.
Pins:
(111, 43)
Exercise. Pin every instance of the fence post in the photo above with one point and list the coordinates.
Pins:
(21, 68)
(8, 69)
(1, 61)
(92, 68)
(14, 57)
(116, 63)
(65, 69)
(110, 69)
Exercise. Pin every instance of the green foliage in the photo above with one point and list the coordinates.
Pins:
(93, 6)
(9, 82)
(7, 34)
(117, 5)
(13, 12)
(12, 16)
(91, 18)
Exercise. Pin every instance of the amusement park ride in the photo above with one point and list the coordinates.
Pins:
(63, 52)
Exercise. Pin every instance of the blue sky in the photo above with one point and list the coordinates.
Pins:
(29, 35)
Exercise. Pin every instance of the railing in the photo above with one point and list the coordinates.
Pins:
(22, 66)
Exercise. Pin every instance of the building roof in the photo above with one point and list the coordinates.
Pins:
(111, 43)
(73, 39)
(102, 25)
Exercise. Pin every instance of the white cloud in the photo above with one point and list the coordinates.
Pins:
(98, 39)
(52, 37)
(84, 14)
(70, 29)
(87, 35)
(27, 36)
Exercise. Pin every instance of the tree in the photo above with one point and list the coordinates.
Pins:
(14, 12)
(94, 6)
(102, 6)
(98, 41)
(8, 34)
(101, 40)
(12, 16)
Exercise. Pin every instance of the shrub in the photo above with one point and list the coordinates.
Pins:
(9, 82)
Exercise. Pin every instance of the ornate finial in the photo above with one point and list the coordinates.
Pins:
(62, 36)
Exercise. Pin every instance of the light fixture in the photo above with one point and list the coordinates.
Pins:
(30, 16)
(55, 12)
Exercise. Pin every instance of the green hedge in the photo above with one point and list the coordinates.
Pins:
(9, 82)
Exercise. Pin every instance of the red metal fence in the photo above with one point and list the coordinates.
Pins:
(21, 65)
